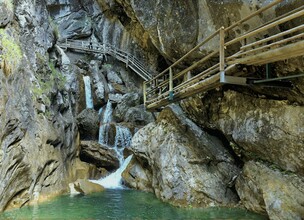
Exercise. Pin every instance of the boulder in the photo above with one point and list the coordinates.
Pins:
(115, 98)
(129, 109)
(137, 177)
(113, 77)
(261, 128)
(138, 116)
(268, 190)
(188, 166)
(86, 187)
(75, 25)
(88, 124)
(100, 85)
(94, 153)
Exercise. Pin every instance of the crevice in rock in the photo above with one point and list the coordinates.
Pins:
(226, 144)
(121, 14)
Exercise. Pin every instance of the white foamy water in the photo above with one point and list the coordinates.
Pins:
(114, 180)
(88, 91)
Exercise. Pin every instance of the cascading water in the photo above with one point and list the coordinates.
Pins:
(114, 181)
(122, 139)
(88, 92)
(104, 125)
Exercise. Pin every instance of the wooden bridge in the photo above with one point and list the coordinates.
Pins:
(90, 47)
(254, 47)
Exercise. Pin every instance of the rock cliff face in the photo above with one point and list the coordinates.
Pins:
(37, 132)
(220, 148)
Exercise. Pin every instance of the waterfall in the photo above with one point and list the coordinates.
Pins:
(107, 116)
(104, 125)
(122, 140)
(88, 92)
(104, 134)
(114, 181)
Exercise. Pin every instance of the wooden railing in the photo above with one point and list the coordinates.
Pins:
(90, 47)
(207, 73)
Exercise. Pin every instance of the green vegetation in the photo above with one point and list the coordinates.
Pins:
(10, 52)
(107, 66)
(54, 28)
(48, 83)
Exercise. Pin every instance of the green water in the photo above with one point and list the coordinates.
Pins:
(120, 204)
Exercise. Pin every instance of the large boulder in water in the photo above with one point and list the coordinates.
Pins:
(86, 187)
(99, 155)
(88, 124)
(137, 176)
(188, 166)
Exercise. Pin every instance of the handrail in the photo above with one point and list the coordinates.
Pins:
(276, 2)
(123, 56)
(187, 54)
(159, 90)
(266, 27)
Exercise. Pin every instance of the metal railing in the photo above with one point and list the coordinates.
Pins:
(131, 61)
(203, 75)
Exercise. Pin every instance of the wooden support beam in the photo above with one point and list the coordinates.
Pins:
(222, 49)
(145, 93)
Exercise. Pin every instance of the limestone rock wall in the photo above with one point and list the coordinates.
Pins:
(188, 166)
(38, 134)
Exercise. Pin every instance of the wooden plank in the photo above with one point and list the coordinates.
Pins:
(266, 27)
(272, 45)
(274, 3)
(265, 40)
(282, 53)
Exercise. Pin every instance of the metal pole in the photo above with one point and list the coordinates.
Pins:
(267, 70)
(171, 94)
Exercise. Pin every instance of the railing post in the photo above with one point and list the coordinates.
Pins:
(189, 75)
(171, 94)
(145, 93)
(222, 54)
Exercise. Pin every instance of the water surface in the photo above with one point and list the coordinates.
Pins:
(120, 204)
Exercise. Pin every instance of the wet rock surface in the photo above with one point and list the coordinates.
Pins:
(188, 166)
(86, 187)
(42, 93)
(266, 189)
(99, 155)
(88, 124)
(259, 128)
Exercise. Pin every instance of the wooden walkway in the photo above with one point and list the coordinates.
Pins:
(107, 49)
(254, 47)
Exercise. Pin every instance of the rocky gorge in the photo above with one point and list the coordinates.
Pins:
(232, 146)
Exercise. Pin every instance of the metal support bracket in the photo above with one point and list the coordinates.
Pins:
(232, 79)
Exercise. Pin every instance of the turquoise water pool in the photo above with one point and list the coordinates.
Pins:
(120, 204)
